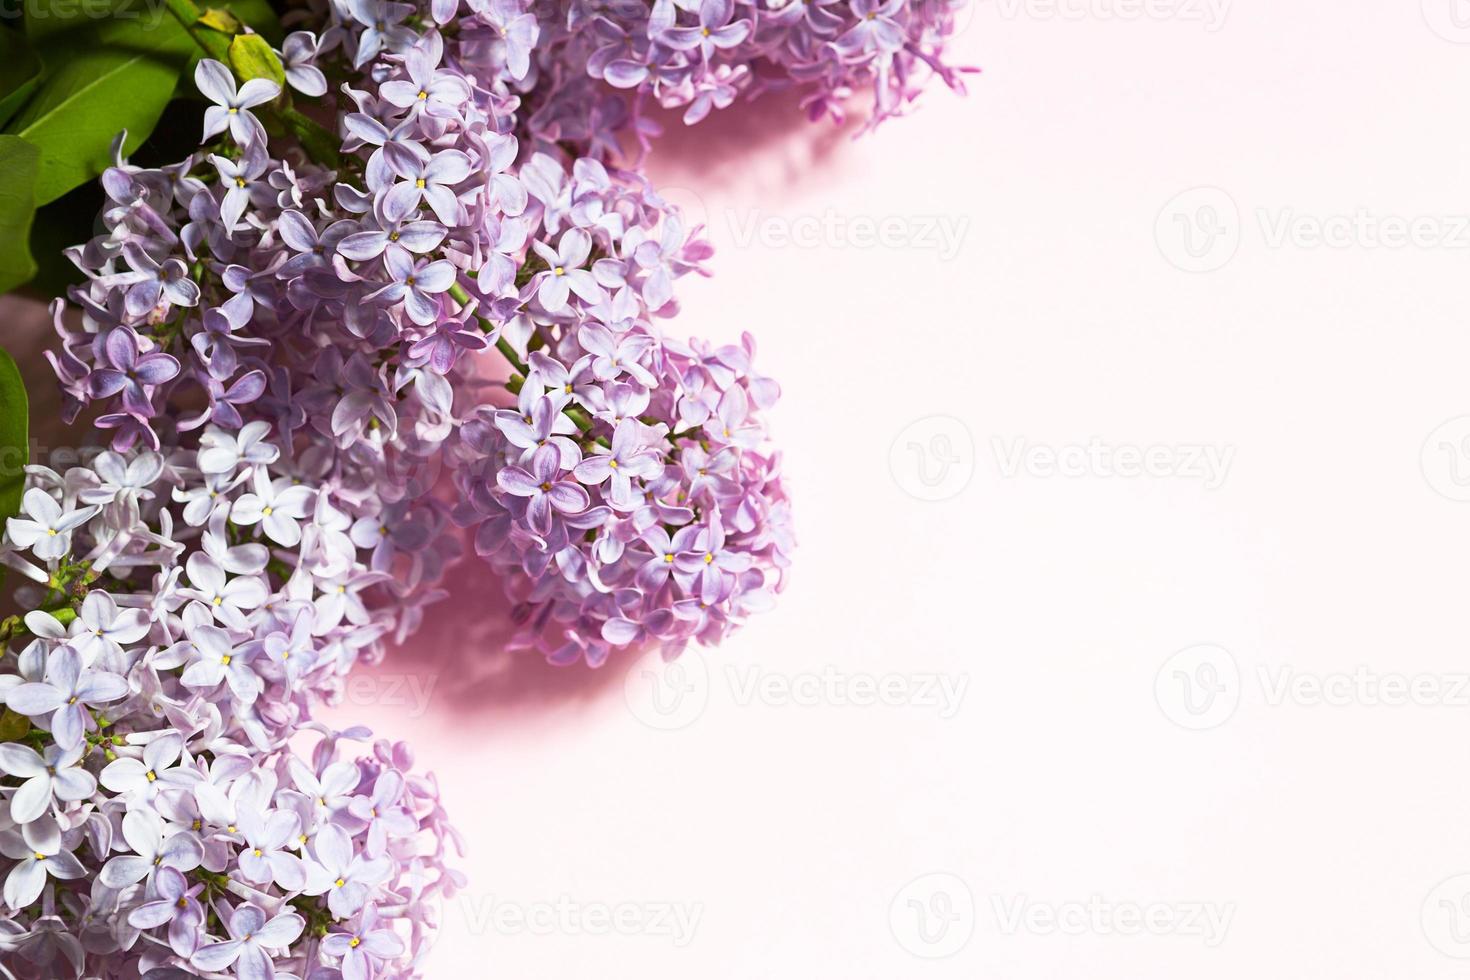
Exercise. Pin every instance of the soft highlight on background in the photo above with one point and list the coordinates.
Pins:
(1130, 462)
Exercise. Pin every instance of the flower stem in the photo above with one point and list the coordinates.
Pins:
(582, 419)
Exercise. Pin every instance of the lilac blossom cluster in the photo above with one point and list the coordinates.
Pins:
(353, 311)
(600, 62)
(652, 512)
(157, 817)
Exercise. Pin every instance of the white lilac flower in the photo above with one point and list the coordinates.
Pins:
(64, 697)
(46, 529)
(153, 848)
(49, 778)
(38, 853)
(231, 109)
(347, 879)
(276, 505)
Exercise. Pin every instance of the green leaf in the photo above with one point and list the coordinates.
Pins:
(103, 76)
(13, 726)
(14, 436)
(20, 70)
(252, 57)
(19, 164)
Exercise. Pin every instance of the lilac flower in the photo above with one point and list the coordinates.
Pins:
(626, 460)
(222, 452)
(516, 29)
(220, 660)
(38, 854)
(441, 349)
(276, 505)
(231, 109)
(547, 426)
(419, 237)
(564, 271)
(102, 630)
(251, 934)
(174, 904)
(65, 695)
(149, 282)
(425, 178)
(383, 21)
(330, 791)
(875, 30)
(654, 572)
(132, 374)
(46, 529)
(48, 779)
(242, 183)
(364, 949)
(381, 813)
(346, 879)
(710, 564)
(315, 249)
(548, 493)
(415, 284)
(265, 859)
(153, 849)
(616, 356)
(298, 54)
(426, 90)
(160, 769)
(714, 31)
(228, 600)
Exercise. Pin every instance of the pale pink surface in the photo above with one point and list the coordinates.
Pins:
(1060, 598)
(793, 827)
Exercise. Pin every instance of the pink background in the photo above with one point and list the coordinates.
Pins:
(799, 827)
